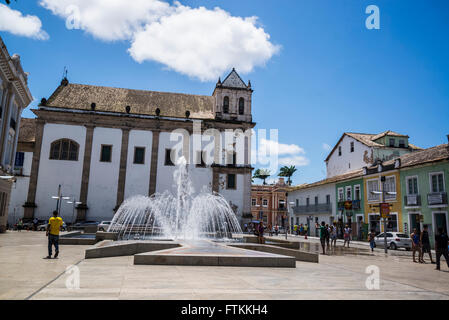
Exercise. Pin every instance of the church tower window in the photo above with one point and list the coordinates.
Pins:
(241, 106)
(226, 105)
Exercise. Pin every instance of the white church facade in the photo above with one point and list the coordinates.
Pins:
(100, 146)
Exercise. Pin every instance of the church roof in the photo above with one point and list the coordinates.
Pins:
(108, 99)
(233, 80)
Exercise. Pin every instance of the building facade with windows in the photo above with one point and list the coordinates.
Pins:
(314, 203)
(269, 203)
(351, 205)
(14, 97)
(383, 178)
(105, 145)
(424, 182)
(357, 150)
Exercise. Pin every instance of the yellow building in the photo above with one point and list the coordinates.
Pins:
(382, 185)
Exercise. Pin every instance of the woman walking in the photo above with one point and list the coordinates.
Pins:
(372, 237)
(416, 245)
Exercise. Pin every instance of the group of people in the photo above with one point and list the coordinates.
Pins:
(301, 230)
(329, 235)
(421, 245)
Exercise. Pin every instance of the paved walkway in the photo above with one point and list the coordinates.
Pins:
(25, 275)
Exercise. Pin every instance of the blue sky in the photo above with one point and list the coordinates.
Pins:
(325, 74)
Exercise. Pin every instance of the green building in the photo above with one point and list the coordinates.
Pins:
(424, 179)
(350, 207)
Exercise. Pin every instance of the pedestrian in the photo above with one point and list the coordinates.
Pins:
(347, 235)
(425, 243)
(372, 238)
(323, 235)
(306, 231)
(328, 236)
(276, 230)
(301, 230)
(334, 236)
(35, 222)
(416, 245)
(441, 246)
(261, 230)
(20, 225)
(270, 230)
(53, 228)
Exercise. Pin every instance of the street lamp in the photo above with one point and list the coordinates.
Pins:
(289, 205)
(382, 194)
(73, 201)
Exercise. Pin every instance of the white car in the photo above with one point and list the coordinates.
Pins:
(104, 226)
(395, 240)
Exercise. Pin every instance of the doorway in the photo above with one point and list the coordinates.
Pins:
(440, 221)
(415, 222)
(374, 223)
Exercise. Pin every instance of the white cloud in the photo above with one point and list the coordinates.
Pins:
(276, 154)
(203, 43)
(26, 26)
(326, 147)
(298, 161)
(279, 148)
(108, 20)
(197, 42)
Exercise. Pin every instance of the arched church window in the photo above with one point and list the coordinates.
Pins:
(226, 105)
(64, 149)
(241, 106)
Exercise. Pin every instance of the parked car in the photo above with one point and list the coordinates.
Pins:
(395, 240)
(104, 226)
(43, 227)
(86, 224)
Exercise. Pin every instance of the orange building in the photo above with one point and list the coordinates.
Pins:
(269, 203)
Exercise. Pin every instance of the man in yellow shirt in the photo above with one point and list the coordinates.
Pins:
(54, 226)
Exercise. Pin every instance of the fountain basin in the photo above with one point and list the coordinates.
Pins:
(198, 253)
(216, 255)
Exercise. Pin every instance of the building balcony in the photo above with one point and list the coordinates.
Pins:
(313, 209)
(350, 205)
(413, 200)
(436, 199)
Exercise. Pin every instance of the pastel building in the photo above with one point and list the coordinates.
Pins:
(424, 180)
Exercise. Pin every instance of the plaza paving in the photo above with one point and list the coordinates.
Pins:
(24, 274)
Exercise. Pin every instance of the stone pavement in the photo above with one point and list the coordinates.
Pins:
(25, 275)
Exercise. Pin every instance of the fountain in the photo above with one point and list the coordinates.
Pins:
(184, 216)
(185, 229)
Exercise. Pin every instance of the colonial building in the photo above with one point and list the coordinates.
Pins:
(14, 97)
(101, 146)
(269, 203)
(357, 150)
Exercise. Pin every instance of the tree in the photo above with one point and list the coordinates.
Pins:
(288, 172)
(262, 174)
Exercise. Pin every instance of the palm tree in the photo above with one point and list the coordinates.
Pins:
(262, 174)
(288, 172)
